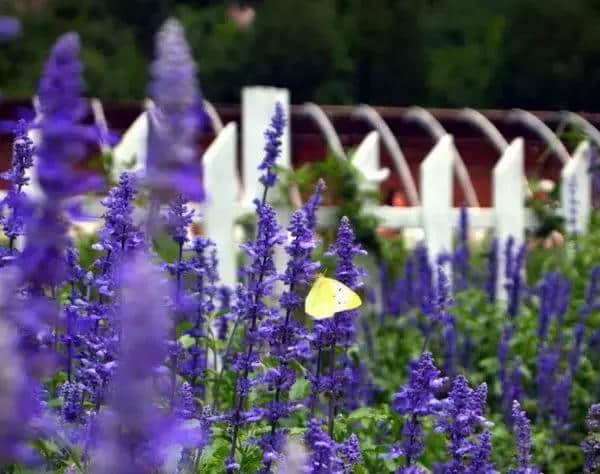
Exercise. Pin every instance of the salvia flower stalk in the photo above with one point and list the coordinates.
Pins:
(461, 418)
(173, 164)
(417, 400)
(14, 204)
(591, 444)
(340, 330)
(260, 276)
(522, 430)
(283, 334)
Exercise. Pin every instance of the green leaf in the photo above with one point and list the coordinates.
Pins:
(299, 390)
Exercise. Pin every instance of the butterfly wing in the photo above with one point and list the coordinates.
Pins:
(345, 298)
(320, 302)
(329, 296)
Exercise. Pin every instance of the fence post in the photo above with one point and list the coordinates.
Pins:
(576, 190)
(221, 206)
(436, 197)
(509, 205)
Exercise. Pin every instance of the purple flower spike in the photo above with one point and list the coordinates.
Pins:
(285, 336)
(15, 201)
(480, 456)
(135, 433)
(313, 203)
(63, 146)
(417, 400)
(173, 164)
(462, 414)
(491, 280)
(120, 233)
(327, 456)
(522, 432)
(273, 137)
(591, 445)
(178, 220)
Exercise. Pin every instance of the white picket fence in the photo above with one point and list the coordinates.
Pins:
(230, 196)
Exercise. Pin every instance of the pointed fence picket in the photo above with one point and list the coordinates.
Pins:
(508, 202)
(436, 197)
(220, 209)
(576, 196)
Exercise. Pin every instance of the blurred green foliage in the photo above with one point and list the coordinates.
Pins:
(394, 52)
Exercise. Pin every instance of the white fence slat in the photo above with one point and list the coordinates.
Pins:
(576, 190)
(258, 106)
(508, 202)
(130, 153)
(436, 197)
(366, 160)
(221, 206)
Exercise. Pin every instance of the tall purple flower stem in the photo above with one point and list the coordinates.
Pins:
(261, 251)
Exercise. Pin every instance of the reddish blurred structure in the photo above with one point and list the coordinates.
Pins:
(309, 145)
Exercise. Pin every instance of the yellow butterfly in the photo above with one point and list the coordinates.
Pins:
(329, 296)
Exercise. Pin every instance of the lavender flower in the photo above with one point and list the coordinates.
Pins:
(480, 455)
(327, 456)
(417, 400)
(591, 444)
(579, 331)
(554, 292)
(591, 292)
(503, 365)
(63, 145)
(462, 414)
(313, 203)
(64, 138)
(514, 275)
(284, 335)
(178, 220)
(346, 249)
(522, 432)
(561, 397)
(119, 235)
(135, 434)
(461, 256)
(260, 275)
(491, 281)
(14, 221)
(119, 232)
(426, 280)
(172, 164)
(516, 381)
(341, 329)
(273, 137)
(548, 361)
(323, 456)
